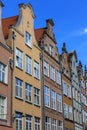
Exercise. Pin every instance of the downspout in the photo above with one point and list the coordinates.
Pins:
(42, 85)
(12, 74)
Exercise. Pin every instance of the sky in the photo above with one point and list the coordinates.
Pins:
(69, 16)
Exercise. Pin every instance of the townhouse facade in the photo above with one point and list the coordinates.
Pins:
(51, 78)
(84, 97)
(26, 106)
(41, 89)
(67, 90)
(5, 81)
(76, 92)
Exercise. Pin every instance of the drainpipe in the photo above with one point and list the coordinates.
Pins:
(42, 84)
(12, 74)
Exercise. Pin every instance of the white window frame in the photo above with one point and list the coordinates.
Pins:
(3, 73)
(36, 70)
(3, 107)
(28, 65)
(58, 77)
(47, 123)
(52, 73)
(28, 92)
(51, 50)
(28, 39)
(53, 99)
(69, 91)
(18, 121)
(65, 110)
(36, 96)
(46, 68)
(28, 122)
(54, 124)
(60, 125)
(19, 88)
(70, 113)
(37, 123)
(46, 96)
(19, 58)
(64, 88)
(59, 101)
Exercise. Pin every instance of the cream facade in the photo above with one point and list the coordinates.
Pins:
(26, 76)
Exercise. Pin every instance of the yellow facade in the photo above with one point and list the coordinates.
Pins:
(25, 23)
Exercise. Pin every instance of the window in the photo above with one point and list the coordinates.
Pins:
(53, 97)
(47, 123)
(73, 90)
(59, 100)
(70, 113)
(75, 115)
(19, 58)
(69, 91)
(46, 68)
(65, 110)
(58, 77)
(18, 121)
(51, 50)
(28, 92)
(3, 107)
(36, 70)
(46, 96)
(28, 39)
(3, 73)
(54, 124)
(64, 88)
(18, 88)
(80, 118)
(60, 125)
(52, 73)
(36, 96)
(28, 122)
(28, 65)
(37, 123)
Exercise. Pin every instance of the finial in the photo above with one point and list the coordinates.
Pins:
(64, 47)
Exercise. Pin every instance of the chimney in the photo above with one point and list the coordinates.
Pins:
(2, 40)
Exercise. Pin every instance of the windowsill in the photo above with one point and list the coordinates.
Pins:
(37, 105)
(47, 106)
(28, 73)
(54, 109)
(4, 120)
(19, 98)
(36, 78)
(60, 112)
(28, 102)
(19, 68)
(46, 75)
(28, 45)
(4, 83)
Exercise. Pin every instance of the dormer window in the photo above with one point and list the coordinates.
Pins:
(28, 39)
(51, 50)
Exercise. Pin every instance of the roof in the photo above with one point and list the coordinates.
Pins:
(74, 53)
(39, 33)
(6, 22)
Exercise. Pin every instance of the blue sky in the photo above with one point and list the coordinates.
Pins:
(69, 16)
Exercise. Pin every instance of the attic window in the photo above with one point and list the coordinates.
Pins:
(51, 49)
(28, 39)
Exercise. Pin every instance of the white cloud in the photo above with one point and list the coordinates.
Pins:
(85, 30)
(80, 32)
